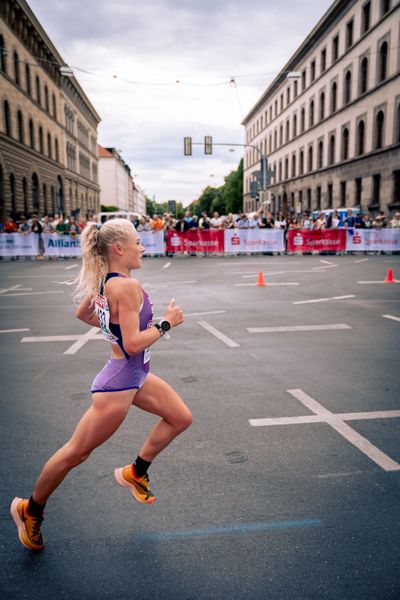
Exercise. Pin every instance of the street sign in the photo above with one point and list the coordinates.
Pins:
(187, 146)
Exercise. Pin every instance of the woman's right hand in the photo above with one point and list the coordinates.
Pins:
(174, 314)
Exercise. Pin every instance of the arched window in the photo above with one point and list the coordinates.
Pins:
(275, 139)
(364, 75)
(3, 55)
(56, 150)
(20, 120)
(25, 195)
(41, 144)
(7, 119)
(49, 146)
(310, 159)
(294, 165)
(35, 193)
(12, 193)
(345, 144)
(281, 135)
(302, 120)
(294, 125)
(360, 138)
(45, 210)
(287, 131)
(16, 68)
(31, 134)
(334, 97)
(54, 107)
(46, 99)
(322, 106)
(379, 125)
(347, 87)
(332, 148)
(28, 80)
(38, 90)
(311, 113)
(383, 59)
(321, 154)
(59, 195)
(301, 163)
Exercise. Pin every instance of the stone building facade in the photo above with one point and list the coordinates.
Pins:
(329, 123)
(48, 127)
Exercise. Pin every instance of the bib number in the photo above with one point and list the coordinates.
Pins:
(103, 314)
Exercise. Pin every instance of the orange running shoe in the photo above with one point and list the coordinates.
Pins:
(139, 486)
(28, 526)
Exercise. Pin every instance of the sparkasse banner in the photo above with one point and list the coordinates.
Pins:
(254, 240)
(373, 239)
(19, 244)
(301, 240)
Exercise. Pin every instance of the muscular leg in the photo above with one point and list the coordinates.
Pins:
(157, 397)
(103, 418)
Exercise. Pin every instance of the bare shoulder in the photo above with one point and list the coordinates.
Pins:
(126, 289)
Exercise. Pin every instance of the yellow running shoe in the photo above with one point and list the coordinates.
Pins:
(139, 486)
(28, 526)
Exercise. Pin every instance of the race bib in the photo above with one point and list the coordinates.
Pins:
(103, 314)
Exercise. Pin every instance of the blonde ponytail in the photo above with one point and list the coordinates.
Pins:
(94, 246)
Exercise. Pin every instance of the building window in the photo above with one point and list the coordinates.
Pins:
(323, 60)
(295, 92)
(286, 168)
(303, 80)
(345, 144)
(56, 150)
(334, 97)
(342, 193)
(281, 135)
(28, 80)
(41, 145)
(322, 106)
(288, 96)
(385, 6)
(309, 200)
(280, 171)
(287, 131)
(379, 128)
(302, 120)
(20, 120)
(294, 165)
(383, 60)
(45, 210)
(31, 134)
(310, 159)
(7, 119)
(320, 154)
(347, 87)
(281, 102)
(358, 191)
(332, 148)
(25, 195)
(397, 127)
(38, 91)
(335, 48)
(396, 188)
(376, 189)
(46, 99)
(349, 34)
(311, 119)
(3, 55)
(313, 70)
(275, 139)
(35, 193)
(364, 75)
(360, 138)
(16, 68)
(276, 107)
(54, 107)
(301, 163)
(49, 146)
(12, 193)
(366, 17)
(294, 126)
(330, 196)
(319, 198)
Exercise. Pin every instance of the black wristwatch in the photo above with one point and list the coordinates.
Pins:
(163, 326)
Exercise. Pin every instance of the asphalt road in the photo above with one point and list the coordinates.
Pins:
(303, 510)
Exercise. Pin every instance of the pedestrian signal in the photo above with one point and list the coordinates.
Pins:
(187, 146)
(208, 144)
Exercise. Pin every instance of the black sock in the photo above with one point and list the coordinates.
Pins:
(141, 466)
(35, 509)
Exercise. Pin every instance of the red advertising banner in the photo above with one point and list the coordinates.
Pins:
(301, 240)
(195, 240)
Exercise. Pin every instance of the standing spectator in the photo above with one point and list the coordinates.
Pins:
(144, 225)
(156, 223)
(229, 221)
(82, 224)
(243, 222)
(350, 220)
(10, 226)
(48, 224)
(395, 223)
(60, 227)
(169, 222)
(188, 219)
(38, 229)
(280, 222)
(320, 222)
(380, 221)
(204, 221)
(335, 220)
(294, 224)
(307, 222)
(24, 226)
(366, 222)
(216, 221)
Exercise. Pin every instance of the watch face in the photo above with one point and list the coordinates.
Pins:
(165, 325)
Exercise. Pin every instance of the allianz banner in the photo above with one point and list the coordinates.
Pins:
(373, 240)
(19, 244)
(152, 241)
(301, 240)
(196, 240)
(254, 240)
(61, 245)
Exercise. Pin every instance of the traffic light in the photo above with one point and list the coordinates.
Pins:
(208, 144)
(187, 146)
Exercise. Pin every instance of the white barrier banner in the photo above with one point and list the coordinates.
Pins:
(19, 244)
(254, 240)
(152, 241)
(373, 240)
(61, 245)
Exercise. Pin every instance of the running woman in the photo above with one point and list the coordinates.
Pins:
(115, 302)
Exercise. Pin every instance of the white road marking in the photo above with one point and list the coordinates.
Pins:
(391, 317)
(367, 282)
(337, 422)
(209, 312)
(14, 287)
(13, 330)
(92, 334)
(168, 264)
(324, 299)
(329, 327)
(330, 266)
(79, 339)
(218, 334)
(169, 283)
(71, 267)
(361, 260)
(50, 338)
(267, 283)
(327, 262)
(66, 282)
(344, 474)
(33, 293)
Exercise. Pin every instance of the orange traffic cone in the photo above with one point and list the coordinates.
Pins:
(389, 276)
(260, 279)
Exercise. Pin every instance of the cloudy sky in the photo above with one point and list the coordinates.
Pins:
(159, 70)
